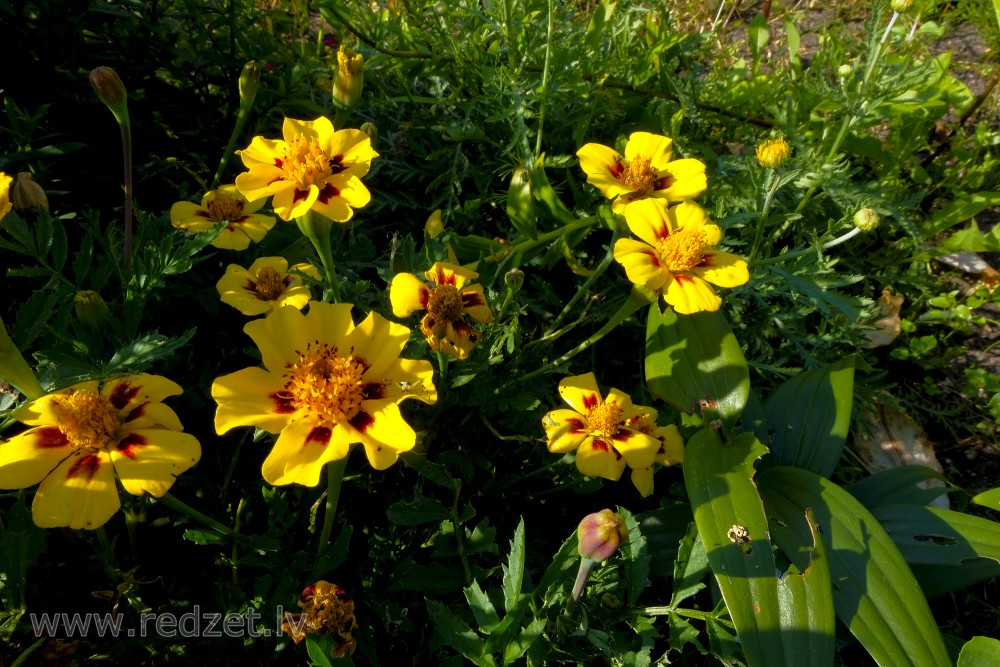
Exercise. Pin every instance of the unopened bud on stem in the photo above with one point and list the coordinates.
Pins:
(111, 91)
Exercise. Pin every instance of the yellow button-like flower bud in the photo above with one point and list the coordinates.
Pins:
(900, 5)
(866, 220)
(349, 79)
(773, 153)
(90, 308)
(26, 194)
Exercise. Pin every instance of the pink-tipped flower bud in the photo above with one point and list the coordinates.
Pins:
(111, 91)
(600, 534)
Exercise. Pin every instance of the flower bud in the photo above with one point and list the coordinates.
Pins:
(5, 204)
(866, 220)
(111, 91)
(600, 534)
(900, 5)
(434, 225)
(514, 279)
(15, 370)
(773, 153)
(844, 71)
(369, 128)
(26, 194)
(349, 79)
(249, 78)
(90, 309)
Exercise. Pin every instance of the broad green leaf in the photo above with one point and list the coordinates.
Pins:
(810, 415)
(794, 42)
(636, 557)
(959, 211)
(513, 571)
(523, 641)
(732, 524)
(898, 485)
(458, 635)
(980, 651)
(989, 498)
(937, 580)
(482, 608)
(694, 361)
(690, 568)
(808, 622)
(875, 594)
(595, 30)
(758, 35)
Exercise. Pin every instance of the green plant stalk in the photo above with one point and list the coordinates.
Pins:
(241, 120)
(457, 525)
(597, 273)
(688, 613)
(639, 297)
(506, 303)
(317, 228)
(542, 239)
(443, 361)
(545, 81)
(190, 512)
(235, 551)
(126, 131)
(768, 199)
(334, 482)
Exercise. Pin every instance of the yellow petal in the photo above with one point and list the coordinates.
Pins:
(151, 459)
(580, 392)
(650, 219)
(27, 458)
(565, 430)
(354, 148)
(641, 263)
(79, 493)
(251, 397)
(290, 202)
(231, 238)
(638, 448)
(153, 415)
(190, 217)
(642, 478)
(378, 341)
(302, 450)
(320, 129)
(671, 450)
(443, 273)
(459, 339)
(131, 391)
(384, 432)
(434, 225)
(597, 458)
(474, 304)
(45, 410)
(600, 164)
(262, 181)
(653, 147)
(408, 378)
(681, 179)
(407, 294)
(722, 268)
(688, 294)
(689, 215)
(262, 151)
(285, 329)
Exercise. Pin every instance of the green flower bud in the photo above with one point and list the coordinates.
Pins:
(600, 534)
(111, 91)
(866, 220)
(90, 309)
(900, 5)
(514, 279)
(249, 78)
(349, 79)
(26, 194)
(844, 71)
(369, 128)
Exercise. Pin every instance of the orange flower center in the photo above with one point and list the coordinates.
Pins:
(88, 420)
(639, 175)
(326, 384)
(225, 208)
(604, 420)
(445, 304)
(306, 163)
(641, 423)
(682, 250)
(270, 284)
(327, 609)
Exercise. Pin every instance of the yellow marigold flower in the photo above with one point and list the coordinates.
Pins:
(773, 153)
(677, 255)
(5, 204)
(445, 299)
(82, 435)
(325, 385)
(671, 451)
(645, 171)
(348, 78)
(312, 168)
(598, 430)
(327, 609)
(266, 285)
(229, 205)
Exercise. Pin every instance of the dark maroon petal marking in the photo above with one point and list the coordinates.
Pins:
(130, 444)
(320, 435)
(470, 299)
(425, 297)
(87, 465)
(575, 426)
(287, 280)
(589, 400)
(362, 421)
(203, 213)
(278, 163)
(122, 394)
(599, 446)
(706, 261)
(299, 195)
(364, 363)
(327, 193)
(47, 437)
(284, 403)
(336, 164)
(684, 278)
(664, 182)
(617, 168)
(139, 411)
(372, 391)
(623, 435)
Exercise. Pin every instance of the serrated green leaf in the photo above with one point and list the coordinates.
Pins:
(959, 211)
(636, 557)
(523, 641)
(597, 26)
(690, 568)
(732, 524)
(875, 594)
(826, 300)
(695, 361)
(664, 528)
(898, 485)
(456, 634)
(482, 608)
(146, 350)
(513, 571)
(810, 415)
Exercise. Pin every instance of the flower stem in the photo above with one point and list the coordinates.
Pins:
(545, 82)
(126, 130)
(317, 228)
(457, 526)
(542, 239)
(759, 235)
(443, 361)
(241, 120)
(334, 481)
(595, 274)
(185, 509)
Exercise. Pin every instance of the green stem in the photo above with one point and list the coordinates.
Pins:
(334, 482)
(506, 303)
(597, 273)
(689, 613)
(545, 82)
(190, 512)
(127, 153)
(316, 228)
(241, 120)
(443, 361)
(759, 235)
(639, 297)
(457, 526)
(542, 239)
(235, 551)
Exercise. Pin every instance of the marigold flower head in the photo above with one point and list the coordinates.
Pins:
(327, 609)
(5, 203)
(81, 436)
(645, 171)
(671, 451)
(599, 535)
(312, 168)
(773, 153)
(446, 298)
(677, 255)
(27, 195)
(325, 385)
(598, 430)
(266, 285)
(226, 204)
